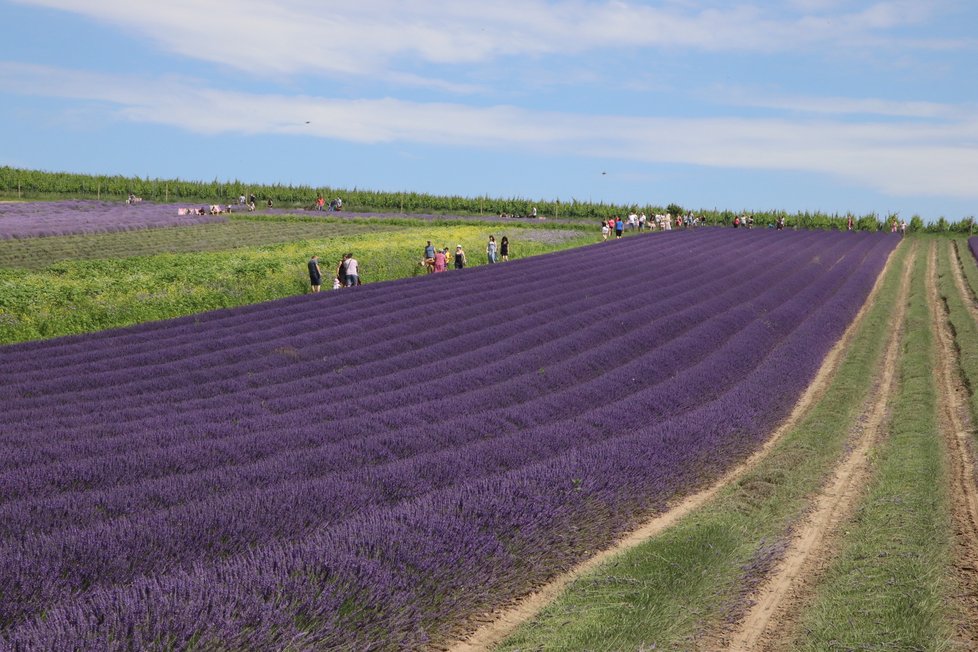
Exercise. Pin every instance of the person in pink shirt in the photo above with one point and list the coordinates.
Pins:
(441, 260)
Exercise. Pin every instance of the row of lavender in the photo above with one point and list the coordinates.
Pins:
(363, 469)
(69, 217)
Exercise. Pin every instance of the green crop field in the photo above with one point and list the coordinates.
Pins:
(66, 285)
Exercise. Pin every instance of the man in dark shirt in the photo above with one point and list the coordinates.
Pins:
(315, 275)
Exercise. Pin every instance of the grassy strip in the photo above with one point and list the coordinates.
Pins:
(962, 323)
(886, 589)
(79, 296)
(239, 232)
(968, 267)
(663, 593)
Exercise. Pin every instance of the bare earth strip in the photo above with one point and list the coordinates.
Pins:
(494, 627)
(956, 427)
(769, 622)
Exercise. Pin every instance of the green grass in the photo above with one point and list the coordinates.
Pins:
(78, 296)
(663, 593)
(238, 232)
(968, 265)
(36, 253)
(887, 588)
(962, 323)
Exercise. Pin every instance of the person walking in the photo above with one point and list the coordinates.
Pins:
(459, 257)
(504, 248)
(429, 251)
(352, 268)
(315, 274)
(605, 231)
(619, 227)
(491, 250)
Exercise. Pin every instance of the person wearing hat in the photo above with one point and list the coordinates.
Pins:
(459, 257)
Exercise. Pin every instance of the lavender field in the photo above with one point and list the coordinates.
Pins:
(366, 469)
(68, 217)
(19, 220)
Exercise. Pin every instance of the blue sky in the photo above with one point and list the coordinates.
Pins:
(796, 105)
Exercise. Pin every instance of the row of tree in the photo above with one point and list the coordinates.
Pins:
(34, 184)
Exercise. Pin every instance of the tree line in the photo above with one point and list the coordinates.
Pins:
(37, 184)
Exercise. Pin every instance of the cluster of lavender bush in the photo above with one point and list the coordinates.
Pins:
(38, 219)
(366, 469)
(973, 246)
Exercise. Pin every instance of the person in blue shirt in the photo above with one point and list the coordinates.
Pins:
(429, 251)
(619, 227)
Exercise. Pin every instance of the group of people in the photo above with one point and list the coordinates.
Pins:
(250, 203)
(334, 204)
(746, 221)
(640, 222)
(436, 260)
(213, 209)
(347, 273)
(898, 227)
(531, 214)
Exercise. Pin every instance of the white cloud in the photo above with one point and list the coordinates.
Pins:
(898, 157)
(382, 37)
(844, 105)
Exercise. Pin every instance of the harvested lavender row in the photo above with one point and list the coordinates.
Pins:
(54, 218)
(370, 512)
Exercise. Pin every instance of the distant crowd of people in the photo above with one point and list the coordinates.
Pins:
(640, 222)
(213, 209)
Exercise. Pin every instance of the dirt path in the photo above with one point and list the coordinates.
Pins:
(491, 629)
(956, 427)
(771, 620)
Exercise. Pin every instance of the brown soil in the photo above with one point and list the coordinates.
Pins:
(956, 427)
(772, 619)
(490, 629)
